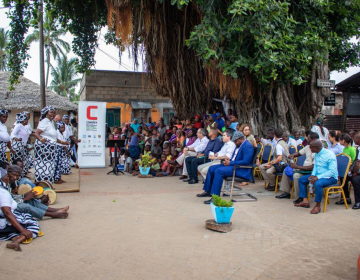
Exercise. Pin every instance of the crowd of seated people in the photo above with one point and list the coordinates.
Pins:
(207, 148)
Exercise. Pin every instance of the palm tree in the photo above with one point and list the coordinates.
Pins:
(4, 38)
(64, 76)
(53, 43)
(74, 97)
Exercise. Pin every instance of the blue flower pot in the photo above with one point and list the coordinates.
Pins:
(222, 215)
(144, 171)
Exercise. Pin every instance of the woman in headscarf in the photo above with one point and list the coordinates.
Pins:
(45, 146)
(28, 160)
(62, 159)
(4, 135)
(14, 226)
(135, 125)
(19, 138)
(319, 128)
(220, 122)
(191, 137)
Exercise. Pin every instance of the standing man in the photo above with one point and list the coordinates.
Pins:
(324, 174)
(281, 153)
(192, 163)
(242, 155)
(191, 151)
(225, 153)
(355, 170)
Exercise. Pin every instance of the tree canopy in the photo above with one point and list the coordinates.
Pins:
(264, 54)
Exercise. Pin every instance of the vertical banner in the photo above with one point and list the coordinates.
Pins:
(92, 119)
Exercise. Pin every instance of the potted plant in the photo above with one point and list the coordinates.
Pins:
(221, 209)
(144, 164)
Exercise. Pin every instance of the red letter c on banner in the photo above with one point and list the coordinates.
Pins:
(88, 112)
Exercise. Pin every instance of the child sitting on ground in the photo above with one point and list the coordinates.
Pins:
(155, 167)
(128, 162)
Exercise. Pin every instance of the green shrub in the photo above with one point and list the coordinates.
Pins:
(218, 201)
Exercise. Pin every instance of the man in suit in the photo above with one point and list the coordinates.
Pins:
(242, 155)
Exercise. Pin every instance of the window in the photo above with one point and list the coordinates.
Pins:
(113, 117)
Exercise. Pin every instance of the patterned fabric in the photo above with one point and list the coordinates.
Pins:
(4, 112)
(61, 162)
(19, 149)
(28, 163)
(59, 124)
(3, 146)
(66, 117)
(44, 111)
(45, 155)
(7, 231)
(21, 117)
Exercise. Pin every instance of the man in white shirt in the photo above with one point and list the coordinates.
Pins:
(270, 139)
(281, 154)
(191, 151)
(225, 153)
(298, 139)
(289, 141)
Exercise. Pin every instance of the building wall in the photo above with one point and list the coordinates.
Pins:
(119, 89)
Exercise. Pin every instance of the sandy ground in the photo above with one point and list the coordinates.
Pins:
(130, 228)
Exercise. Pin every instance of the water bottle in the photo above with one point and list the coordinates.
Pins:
(227, 186)
(311, 188)
(291, 160)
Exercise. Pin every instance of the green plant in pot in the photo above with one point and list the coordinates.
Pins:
(144, 164)
(221, 209)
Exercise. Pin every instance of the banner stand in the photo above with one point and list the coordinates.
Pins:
(91, 132)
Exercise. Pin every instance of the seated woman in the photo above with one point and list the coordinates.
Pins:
(27, 203)
(14, 226)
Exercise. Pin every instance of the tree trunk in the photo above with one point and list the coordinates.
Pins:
(48, 67)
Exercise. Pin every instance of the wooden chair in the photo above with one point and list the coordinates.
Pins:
(267, 154)
(300, 147)
(292, 150)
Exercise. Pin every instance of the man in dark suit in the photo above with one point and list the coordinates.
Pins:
(242, 155)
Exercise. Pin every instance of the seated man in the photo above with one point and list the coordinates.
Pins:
(281, 153)
(324, 174)
(23, 180)
(225, 153)
(289, 141)
(355, 170)
(299, 171)
(191, 151)
(214, 145)
(242, 155)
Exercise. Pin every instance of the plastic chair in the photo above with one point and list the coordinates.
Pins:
(259, 157)
(292, 150)
(300, 162)
(300, 147)
(343, 165)
(234, 179)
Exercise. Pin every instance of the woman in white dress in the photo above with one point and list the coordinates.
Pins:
(4, 136)
(19, 138)
(45, 146)
(62, 159)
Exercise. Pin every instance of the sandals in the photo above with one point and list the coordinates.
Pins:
(27, 241)
(316, 210)
(243, 184)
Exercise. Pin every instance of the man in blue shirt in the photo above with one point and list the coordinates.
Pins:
(324, 174)
(192, 163)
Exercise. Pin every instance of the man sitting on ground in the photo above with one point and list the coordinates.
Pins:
(324, 174)
(191, 151)
(299, 171)
(242, 155)
(281, 153)
(225, 153)
(214, 145)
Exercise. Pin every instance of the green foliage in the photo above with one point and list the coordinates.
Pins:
(54, 45)
(4, 39)
(146, 161)
(218, 201)
(277, 40)
(20, 14)
(64, 76)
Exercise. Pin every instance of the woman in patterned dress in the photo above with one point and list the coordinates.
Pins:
(19, 138)
(4, 135)
(28, 161)
(14, 225)
(45, 146)
(62, 159)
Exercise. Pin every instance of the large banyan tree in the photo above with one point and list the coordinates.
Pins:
(265, 55)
